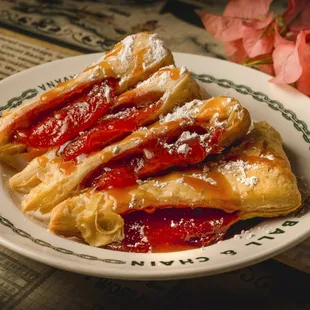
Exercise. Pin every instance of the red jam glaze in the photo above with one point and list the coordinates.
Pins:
(66, 123)
(117, 177)
(140, 167)
(173, 229)
(108, 131)
(48, 104)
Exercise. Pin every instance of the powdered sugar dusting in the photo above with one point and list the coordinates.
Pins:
(139, 164)
(216, 122)
(163, 73)
(181, 145)
(100, 92)
(139, 229)
(164, 78)
(157, 50)
(239, 168)
(251, 181)
(122, 114)
(126, 53)
(183, 70)
(127, 46)
(267, 156)
(132, 201)
(140, 182)
(95, 73)
(187, 135)
(204, 177)
(187, 111)
(217, 223)
(141, 129)
(160, 184)
(183, 149)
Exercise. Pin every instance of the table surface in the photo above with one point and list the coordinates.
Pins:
(36, 32)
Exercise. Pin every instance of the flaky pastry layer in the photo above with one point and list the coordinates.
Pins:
(132, 60)
(58, 185)
(177, 87)
(253, 177)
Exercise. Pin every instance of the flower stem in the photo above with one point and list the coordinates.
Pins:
(264, 61)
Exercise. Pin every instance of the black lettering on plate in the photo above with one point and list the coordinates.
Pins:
(42, 87)
(167, 263)
(202, 259)
(277, 231)
(289, 223)
(255, 243)
(265, 237)
(50, 84)
(231, 252)
(183, 262)
(134, 263)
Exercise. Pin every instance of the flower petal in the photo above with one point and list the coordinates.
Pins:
(257, 43)
(303, 20)
(267, 68)
(294, 8)
(278, 39)
(247, 8)
(286, 63)
(259, 23)
(222, 28)
(303, 83)
(235, 51)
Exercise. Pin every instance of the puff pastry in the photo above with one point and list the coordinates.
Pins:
(133, 132)
(223, 120)
(132, 60)
(171, 86)
(253, 177)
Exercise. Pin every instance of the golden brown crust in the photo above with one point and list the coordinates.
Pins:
(176, 86)
(253, 177)
(57, 185)
(9, 154)
(132, 60)
(87, 221)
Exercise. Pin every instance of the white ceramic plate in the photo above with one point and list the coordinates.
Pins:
(283, 107)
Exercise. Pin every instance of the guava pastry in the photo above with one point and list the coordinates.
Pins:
(73, 106)
(251, 179)
(131, 154)
(186, 136)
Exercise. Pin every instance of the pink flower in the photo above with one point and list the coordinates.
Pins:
(285, 60)
(300, 9)
(275, 45)
(267, 68)
(297, 18)
(242, 19)
(291, 61)
(235, 51)
(256, 42)
(303, 83)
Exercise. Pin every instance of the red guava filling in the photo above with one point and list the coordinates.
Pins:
(66, 123)
(153, 157)
(48, 103)
(173, 229)
(108, 130)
